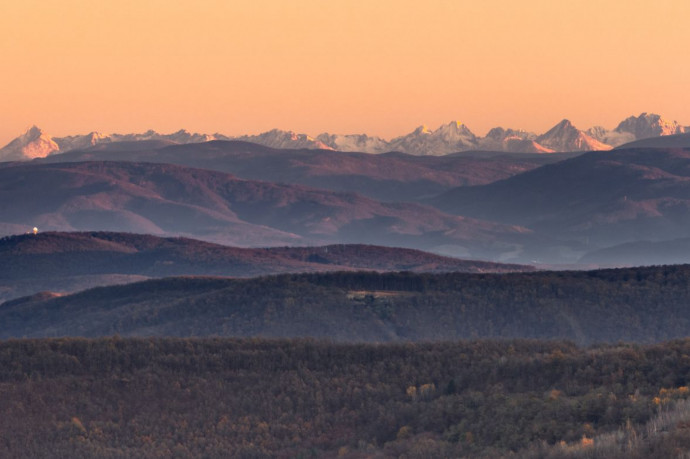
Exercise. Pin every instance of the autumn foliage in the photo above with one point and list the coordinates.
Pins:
(119, 397)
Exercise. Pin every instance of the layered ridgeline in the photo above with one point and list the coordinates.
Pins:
(258, 398)
(389, 177)
(168, 200)
(597, 200)
(69, 262)
(450, 138)
(634, 304)
(556, 213)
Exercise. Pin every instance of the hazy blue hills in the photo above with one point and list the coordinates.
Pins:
(506, 208)
(170, 200)
(598, 199)
(388, 177)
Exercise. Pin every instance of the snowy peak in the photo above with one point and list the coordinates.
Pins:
(34, 143)
(184, 136)
(455, 131)
(565, 127)
(515, 144)
(499, 134)
(649, 125)
(423, 129)
(353, 142)
(633, 128)
(511, 140)
(277, 138)
(566, 137)
(81, 141)
(449, 138)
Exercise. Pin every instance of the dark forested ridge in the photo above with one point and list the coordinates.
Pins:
(299, 398)
(636, 304)
(69, 262)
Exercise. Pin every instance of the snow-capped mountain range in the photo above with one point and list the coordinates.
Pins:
(450, 138)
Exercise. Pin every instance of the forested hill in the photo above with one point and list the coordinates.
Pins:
(637, 304)
(218, 398)
(74, 261)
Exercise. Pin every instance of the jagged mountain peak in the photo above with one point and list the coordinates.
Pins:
(500, 133)
(34, 143)
(452, 137)
(564, 136)
(512, 140)
(458, 125)
(33, 132)
(354, 142)
(423, 129)
(448, 138)
(455, 127)
(648, 125)
(564, 124)
(277, 138)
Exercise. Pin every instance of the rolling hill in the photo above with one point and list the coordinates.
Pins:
(388, 177)
(69, 262)
(168, 200)
(667, 141)
(598, 199)
(636, 304)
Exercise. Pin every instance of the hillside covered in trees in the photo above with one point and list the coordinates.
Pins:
(300, 398)
(66, 262)
(648, 304)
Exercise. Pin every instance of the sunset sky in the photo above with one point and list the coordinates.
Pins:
(344, 66)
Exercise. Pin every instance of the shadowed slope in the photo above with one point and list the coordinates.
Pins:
(164, 199)
(640, 304)
(667, 141)
(598, 199)
(68, 262)
(389, 177)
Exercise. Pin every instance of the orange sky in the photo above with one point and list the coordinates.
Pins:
(346, 66)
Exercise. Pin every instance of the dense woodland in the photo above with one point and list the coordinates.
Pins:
(68, 262)
(649, 304)
(256, 398)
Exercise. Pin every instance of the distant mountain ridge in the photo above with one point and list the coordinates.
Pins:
(601, 199)
(170, 200)
(387, 177)
(453, 137)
